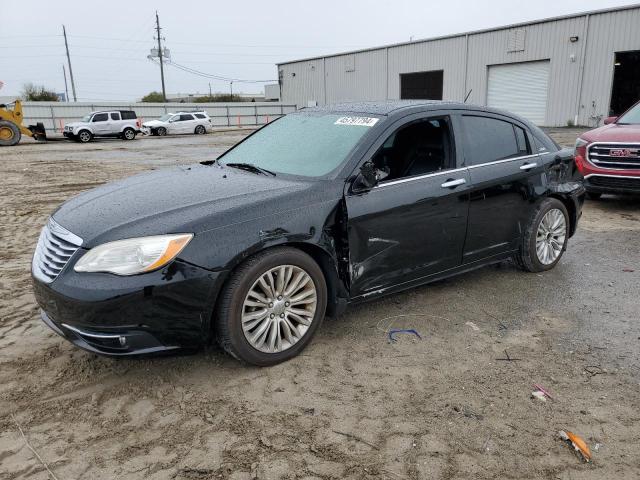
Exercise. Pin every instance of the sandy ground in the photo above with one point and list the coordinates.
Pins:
(352, 406)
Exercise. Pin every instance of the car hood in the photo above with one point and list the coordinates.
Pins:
(74, 124)
(153, 123)
(189, 199)
(614, 132)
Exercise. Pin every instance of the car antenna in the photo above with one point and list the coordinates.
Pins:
(468, 95)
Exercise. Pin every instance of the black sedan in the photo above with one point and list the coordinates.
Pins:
(317, 210)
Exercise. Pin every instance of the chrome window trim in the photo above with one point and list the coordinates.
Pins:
(419, 177)
(496, 162)
(610, 143)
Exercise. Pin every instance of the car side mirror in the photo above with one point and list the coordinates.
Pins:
(610, 120)
(368, 177)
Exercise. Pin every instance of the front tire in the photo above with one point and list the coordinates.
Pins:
(161, 131)
(9, 134)
(128, 134)
(84, 136)
(271, 307)
(545, 237)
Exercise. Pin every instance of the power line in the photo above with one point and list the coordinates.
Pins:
(215, 77)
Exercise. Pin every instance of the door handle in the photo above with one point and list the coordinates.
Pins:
(528, 166)
(453, 183)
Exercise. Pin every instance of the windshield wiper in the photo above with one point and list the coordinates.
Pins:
(250, 167)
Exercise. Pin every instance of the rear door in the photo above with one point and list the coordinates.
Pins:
(504, 176)
(115, 122)
(412, 224)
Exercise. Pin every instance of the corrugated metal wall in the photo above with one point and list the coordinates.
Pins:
(608, 33)
(55, 115)
(584, 65)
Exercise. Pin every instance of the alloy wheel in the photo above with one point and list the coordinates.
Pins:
(550, 236)
(279, 308)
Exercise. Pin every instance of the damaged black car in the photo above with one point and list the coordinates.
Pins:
(317, 210)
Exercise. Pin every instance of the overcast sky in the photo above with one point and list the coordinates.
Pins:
(109, 40)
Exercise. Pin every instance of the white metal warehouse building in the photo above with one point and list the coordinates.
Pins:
(558, 71)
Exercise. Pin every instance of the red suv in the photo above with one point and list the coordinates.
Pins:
(609, 157)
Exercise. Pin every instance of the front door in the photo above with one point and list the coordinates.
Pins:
(100, 124)
(412, 224)
(503, 174)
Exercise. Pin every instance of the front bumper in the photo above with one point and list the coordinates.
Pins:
(608, 183)
(162, 311)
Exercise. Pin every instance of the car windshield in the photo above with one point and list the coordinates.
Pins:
(631, 117)
(306, 144)
(86, 118)
(165, 117)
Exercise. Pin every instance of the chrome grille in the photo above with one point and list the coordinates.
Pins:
(55, 247)
(618, 156)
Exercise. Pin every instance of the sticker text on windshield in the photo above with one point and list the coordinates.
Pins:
(360, 121)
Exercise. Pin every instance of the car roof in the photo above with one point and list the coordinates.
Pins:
(109, 111)
(395, 106)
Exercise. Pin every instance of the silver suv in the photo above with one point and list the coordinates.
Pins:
(112, 123)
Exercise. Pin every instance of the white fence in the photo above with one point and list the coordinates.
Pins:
(54, 115)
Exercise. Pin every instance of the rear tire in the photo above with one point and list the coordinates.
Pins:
(9, 134)
(255, 326)
(545, 237)
(84, 136)
(200, 130)
(594, 195)
(128, 134)
(161, 131)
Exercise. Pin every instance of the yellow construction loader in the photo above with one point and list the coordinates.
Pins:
(11, 128)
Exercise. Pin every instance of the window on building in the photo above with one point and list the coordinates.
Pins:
(422, 85)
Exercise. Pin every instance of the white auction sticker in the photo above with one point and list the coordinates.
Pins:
(360, 121)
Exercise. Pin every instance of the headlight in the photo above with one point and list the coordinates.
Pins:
(580, 142)
(134, 255)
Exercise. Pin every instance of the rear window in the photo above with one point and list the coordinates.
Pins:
(128, 115)
(115, 116)
(489, 139)
(200, 115)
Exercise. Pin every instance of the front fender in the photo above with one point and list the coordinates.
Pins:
(223, 248)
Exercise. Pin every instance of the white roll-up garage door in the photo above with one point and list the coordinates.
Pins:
(520, 88)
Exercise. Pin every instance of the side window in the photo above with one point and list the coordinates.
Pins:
(100, 117)
(185, 117)
(523, 143)
(489, 139)
(420, 148)
(115, 116)
(200, 115)
(128, 115)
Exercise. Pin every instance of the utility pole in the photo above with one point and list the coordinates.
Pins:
(164, 93)
(66, 46)
(209, 91)
(231, 86)
(66, 88)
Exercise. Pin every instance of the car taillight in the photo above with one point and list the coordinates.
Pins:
(580, 153)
